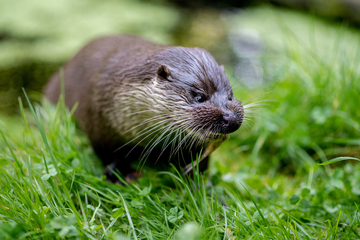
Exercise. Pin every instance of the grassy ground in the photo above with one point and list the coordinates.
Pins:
(266, 181)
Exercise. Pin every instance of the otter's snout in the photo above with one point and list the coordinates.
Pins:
(219, 120)
(230, 122)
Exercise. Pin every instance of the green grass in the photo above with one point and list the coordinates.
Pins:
(266, 181)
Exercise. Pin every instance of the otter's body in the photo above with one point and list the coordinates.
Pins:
(138, 99)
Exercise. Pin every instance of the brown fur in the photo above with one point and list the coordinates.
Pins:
(125, 85)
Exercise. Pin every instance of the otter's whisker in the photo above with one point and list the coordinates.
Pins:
(152, 131)
(148, 129)
(187, 136)
(158, 139)
(169, 133)
(181, 131)
(156, 118)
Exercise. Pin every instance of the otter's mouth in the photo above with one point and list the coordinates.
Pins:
(217, 137)
(209, 136)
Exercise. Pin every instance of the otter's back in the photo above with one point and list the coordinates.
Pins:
(81, 72)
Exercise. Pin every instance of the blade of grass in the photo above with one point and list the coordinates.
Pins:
(339, 159)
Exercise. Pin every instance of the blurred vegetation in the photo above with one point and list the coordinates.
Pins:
(266, 182)
(36, 37)
(347, 10)
(332, 9)
(298, 55)
(309, 94)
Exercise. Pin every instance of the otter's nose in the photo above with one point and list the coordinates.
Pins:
(230, 122)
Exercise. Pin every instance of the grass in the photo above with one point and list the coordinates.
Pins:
(266, 181)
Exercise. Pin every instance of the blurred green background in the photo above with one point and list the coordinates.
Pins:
(295, 64)
(298, 63)
(36, 37)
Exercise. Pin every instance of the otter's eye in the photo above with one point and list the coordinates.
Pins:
(199, 98)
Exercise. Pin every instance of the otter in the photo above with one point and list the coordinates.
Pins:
(138, 100)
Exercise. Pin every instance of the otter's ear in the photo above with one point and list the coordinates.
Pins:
(222, 68)
(163, 73)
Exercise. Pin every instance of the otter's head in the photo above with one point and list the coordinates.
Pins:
(183, 101)
(198, 90)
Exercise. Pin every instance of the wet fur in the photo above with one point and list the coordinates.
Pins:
(136, 99)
